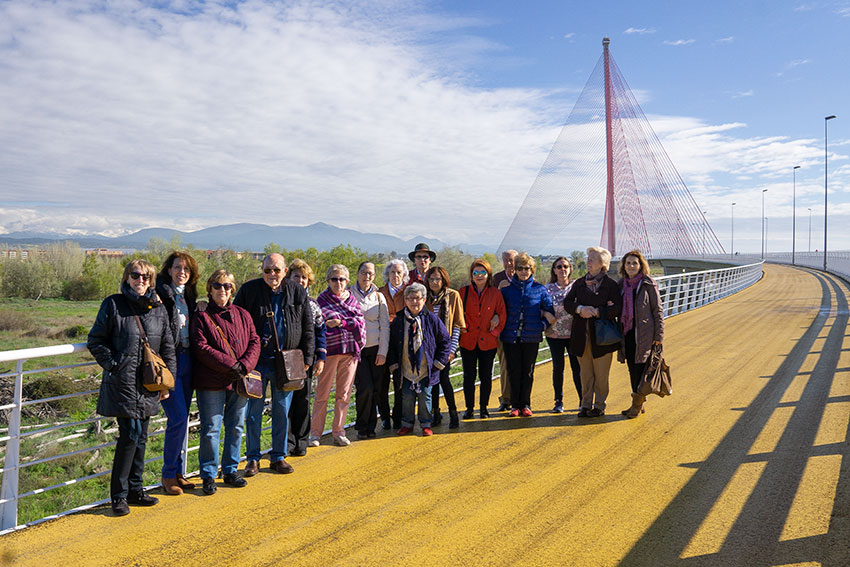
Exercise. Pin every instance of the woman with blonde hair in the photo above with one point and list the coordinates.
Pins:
(642, 322)
(593, 297)
(124, 322)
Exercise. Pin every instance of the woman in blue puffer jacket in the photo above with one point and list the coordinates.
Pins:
(529, 312)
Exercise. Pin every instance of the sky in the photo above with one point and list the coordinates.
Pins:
(407, 117)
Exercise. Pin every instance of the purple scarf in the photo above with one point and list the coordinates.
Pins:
(630, 285)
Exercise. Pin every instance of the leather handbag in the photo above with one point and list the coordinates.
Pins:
(607, 332)
(249, 385)
(656, 376)
(155, 373)
(289, 368)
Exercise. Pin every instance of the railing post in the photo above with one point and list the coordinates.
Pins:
(9, 492)
(185, 449)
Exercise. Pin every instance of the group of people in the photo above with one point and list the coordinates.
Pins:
(355, 336)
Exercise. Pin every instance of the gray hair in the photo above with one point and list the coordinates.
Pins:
(415, 288)
(396, 262)
(337, 269)
(604, 256)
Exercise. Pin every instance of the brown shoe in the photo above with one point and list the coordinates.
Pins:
(251, 468)
(281, 467)
(171, 486)
(184, 484)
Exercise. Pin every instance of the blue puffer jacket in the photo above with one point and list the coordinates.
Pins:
(523, 301)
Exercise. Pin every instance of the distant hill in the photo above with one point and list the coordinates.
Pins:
(247, 236)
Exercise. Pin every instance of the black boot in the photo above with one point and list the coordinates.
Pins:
(437, 419)
(454, 423)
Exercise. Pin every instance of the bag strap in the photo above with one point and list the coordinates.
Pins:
(221, 332)
(141, 329)
(466, 293)
(273, 325)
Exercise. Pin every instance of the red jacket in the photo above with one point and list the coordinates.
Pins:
(478, 311)
(212, 359)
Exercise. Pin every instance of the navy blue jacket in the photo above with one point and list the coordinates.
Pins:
(523, 302)
(436, 344)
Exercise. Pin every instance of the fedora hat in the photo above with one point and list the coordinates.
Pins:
(422, 247)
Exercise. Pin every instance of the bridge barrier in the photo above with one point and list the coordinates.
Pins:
(679, 293)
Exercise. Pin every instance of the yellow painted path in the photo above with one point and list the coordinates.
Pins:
(748, 463)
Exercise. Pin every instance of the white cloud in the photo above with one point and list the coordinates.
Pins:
(640, 31)
(727, 39)
(741, 94)
(570, 35)
(679, 42)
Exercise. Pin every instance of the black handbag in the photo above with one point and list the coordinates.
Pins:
(289, 368)
(607, 331)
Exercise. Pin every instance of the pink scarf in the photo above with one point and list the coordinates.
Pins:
(630, 285)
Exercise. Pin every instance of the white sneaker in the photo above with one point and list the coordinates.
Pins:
(342, 441)
(312, 441)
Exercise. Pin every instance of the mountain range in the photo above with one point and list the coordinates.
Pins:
(246, 236)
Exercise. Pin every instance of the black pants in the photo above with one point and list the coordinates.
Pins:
(382, 392)
(299, 417)
(482, 361)
(448, 391)
(520, 359)
(367, 379)
(635, 368)
(558, 348)
(128, 465)
(396, 398)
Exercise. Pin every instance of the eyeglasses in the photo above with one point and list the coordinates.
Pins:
(523, 268)
(138, 276)
(219, 285)
(435, 280)
(562, 267)
(367, 274)
(479, 273)
(270, 270)
(338, 280)
(422, 257)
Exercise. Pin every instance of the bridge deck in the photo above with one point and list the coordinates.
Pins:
(746, 464)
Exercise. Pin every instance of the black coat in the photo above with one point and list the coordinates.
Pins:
(580, 294)
(116, 344)
(166, 295)
(255, 297)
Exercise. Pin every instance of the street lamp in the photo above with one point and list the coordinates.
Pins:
(763, 191)
(732, 249)
(810, 230)
(826, 120)
(794, 216)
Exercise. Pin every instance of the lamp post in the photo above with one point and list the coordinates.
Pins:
(794, 217)
(810, 230)
(732, 249)
(763, 191)
(766, 230)
(826, 120)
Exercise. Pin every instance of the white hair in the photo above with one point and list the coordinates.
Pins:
(396, 262)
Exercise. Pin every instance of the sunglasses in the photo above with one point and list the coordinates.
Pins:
(422, 257)
(338, 280)
(562, 267)
(227, 286)
(138, 276)
(479, 272)
(270, 270)
(523, 268)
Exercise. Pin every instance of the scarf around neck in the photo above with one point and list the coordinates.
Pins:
(630, 285)
(414, 339)
(593, 282)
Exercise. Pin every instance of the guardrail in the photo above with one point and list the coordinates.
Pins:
(679, 293)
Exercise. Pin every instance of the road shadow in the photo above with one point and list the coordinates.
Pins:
(755, 538)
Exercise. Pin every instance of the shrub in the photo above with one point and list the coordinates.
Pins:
(11, 320)
(82, 288)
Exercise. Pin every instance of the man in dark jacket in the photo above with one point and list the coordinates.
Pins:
(293, 322)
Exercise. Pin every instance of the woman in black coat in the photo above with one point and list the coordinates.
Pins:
(115, 341)
(593, 297)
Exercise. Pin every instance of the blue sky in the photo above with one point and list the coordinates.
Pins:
(404, 117)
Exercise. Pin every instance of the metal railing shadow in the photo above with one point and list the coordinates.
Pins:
(755, 538)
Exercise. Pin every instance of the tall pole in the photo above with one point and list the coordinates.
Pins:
(794, 217)
(763, 191)
(810, 229)
(609, 193)
(703, 234)
(825, 177)
(732, 249)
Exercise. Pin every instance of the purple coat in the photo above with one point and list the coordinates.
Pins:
(436, 344)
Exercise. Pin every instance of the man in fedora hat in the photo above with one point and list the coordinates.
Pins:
(422, 256)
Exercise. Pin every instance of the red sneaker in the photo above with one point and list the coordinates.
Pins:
(405, 430)
(514, 413)
(526, 412)
(427, 432)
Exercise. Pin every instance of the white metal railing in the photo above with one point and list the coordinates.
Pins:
(837, 262)
(679, 293)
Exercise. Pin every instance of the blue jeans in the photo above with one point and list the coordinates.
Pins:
(408, 402)
(176, 408)
(215, 407)
(280, 417)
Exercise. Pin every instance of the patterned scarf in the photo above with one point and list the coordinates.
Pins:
(630, 285)
(594, 281)
(439, 300)
(414, 340)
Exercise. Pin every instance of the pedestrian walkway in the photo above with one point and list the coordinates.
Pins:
(747, 463)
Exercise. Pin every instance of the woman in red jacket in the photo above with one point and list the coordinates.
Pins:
(484, 311)
(226, 347)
